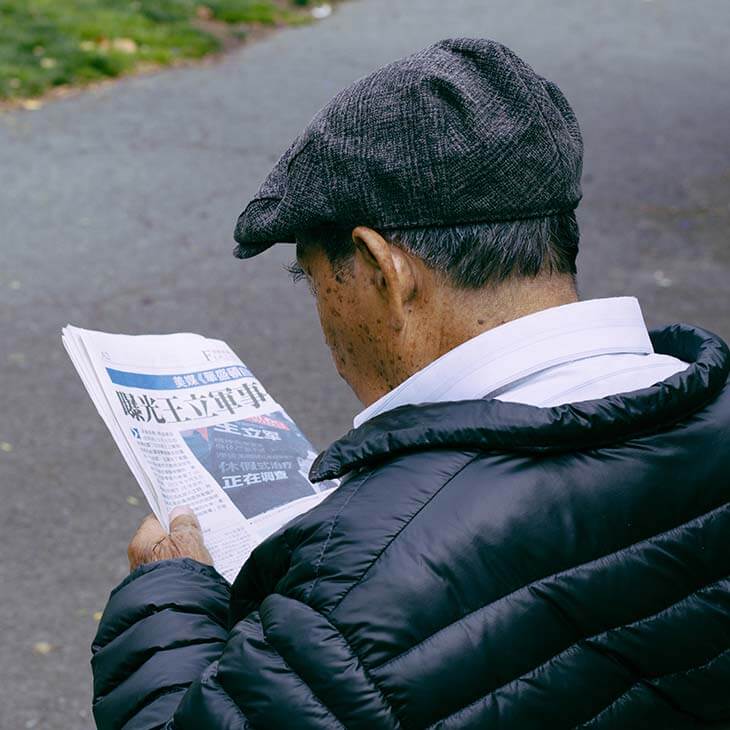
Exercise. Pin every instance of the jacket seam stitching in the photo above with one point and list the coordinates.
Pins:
(210, 676)
(146, 656)
(142, 706)
(196, 610)
(574, 646)
(319, 701)
(365, 670)
(542, 579)
(649, 681)
(403, 527)
(328, 539)
(170, 608)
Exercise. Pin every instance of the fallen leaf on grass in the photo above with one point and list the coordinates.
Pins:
(125, 45)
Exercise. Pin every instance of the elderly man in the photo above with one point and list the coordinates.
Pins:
(532, 526)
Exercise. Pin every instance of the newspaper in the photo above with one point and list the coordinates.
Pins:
(197, 428)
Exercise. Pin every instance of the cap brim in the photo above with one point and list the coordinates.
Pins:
(249, 250)
(256, 230)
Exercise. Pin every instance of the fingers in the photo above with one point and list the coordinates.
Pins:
(150, 532)
(151, 542)
(187, 536)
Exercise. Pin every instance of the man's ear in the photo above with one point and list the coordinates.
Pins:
(391, 269)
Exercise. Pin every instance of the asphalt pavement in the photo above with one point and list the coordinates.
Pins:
(116, 213)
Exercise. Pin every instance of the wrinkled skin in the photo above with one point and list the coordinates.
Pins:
(388, 315)
(371, 313)
(151, 542)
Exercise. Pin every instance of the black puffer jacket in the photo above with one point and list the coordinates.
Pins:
(487, 565)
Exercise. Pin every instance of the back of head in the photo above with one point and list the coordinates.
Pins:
(444, 186)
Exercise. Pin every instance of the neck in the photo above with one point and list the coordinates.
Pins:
(469, 313)
(451, 316)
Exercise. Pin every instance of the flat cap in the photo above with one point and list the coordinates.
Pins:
(463, 131)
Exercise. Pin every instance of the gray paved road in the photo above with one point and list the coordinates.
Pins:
(116, 210)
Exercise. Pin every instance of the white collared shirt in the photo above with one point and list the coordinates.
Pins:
(565, 354)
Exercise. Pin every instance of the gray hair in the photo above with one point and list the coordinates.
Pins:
(474, 255)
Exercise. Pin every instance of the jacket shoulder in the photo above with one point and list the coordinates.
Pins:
(508, 575)
(320, 555)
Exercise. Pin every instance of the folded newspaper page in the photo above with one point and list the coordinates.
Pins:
(197, 428)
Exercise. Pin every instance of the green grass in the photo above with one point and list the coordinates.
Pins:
(51, 43)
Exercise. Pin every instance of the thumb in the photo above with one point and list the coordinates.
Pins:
(183, 520)
(187, 536)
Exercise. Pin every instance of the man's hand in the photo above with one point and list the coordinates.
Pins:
(151, 543)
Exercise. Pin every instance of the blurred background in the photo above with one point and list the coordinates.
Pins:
(117, 205)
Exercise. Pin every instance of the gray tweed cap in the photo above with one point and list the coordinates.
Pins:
(463, 131)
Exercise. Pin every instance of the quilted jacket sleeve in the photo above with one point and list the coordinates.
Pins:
(285, 666)
(163, 626)
(174, 651)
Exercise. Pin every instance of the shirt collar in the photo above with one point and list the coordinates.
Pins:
(503, 355)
